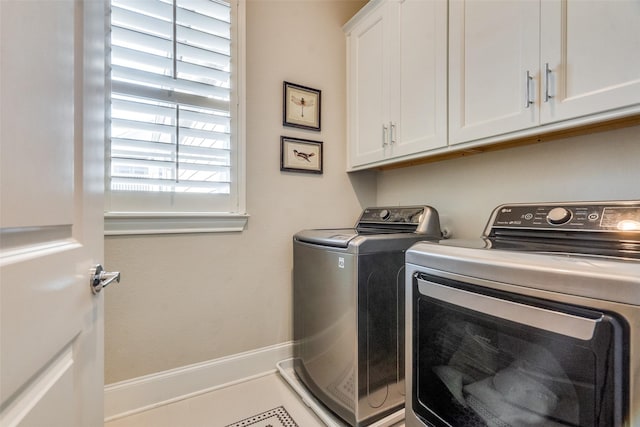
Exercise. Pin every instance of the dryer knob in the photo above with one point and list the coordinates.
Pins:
(558, 216)
(385, 214)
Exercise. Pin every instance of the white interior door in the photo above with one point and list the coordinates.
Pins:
(51, 185)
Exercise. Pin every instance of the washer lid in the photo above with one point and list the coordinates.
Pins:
(336, 237)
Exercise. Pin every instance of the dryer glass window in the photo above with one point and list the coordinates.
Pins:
(512, 365)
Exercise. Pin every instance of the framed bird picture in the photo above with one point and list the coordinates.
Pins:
(300, 155)
(301, 107)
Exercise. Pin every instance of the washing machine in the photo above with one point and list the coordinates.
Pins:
(348, 299)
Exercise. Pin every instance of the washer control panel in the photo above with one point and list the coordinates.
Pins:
(621, 216)
(401, 215)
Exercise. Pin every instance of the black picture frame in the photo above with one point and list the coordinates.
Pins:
(301, 155)
(301, 106)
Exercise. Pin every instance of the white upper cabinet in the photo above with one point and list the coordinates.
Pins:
(368, 87)
(590, 57)
(397, 77)
(516, 65)
(494, 57)
(432, 77)
(419, 83)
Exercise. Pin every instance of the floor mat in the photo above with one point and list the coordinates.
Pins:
(276, 417)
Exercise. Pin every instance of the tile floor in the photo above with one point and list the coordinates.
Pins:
(226, 406)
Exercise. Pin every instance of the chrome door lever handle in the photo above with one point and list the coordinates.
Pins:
(98, 278)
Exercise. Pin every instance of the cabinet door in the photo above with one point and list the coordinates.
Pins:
(368, 88)
(592, 49)
(494, 46)
(418, 120)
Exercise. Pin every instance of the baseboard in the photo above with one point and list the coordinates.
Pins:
(150, 391)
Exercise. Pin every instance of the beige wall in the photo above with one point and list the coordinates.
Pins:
(190, 298)
(602, 166)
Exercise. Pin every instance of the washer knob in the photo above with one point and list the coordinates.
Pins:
(558, 216)
(385, 214)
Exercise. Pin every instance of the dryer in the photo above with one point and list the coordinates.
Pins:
(537, 323)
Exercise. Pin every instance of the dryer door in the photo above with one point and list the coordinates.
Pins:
(483, 356)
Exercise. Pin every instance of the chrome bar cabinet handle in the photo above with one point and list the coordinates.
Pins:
(392, 132)
(547, 72)
(385, 131)
(528, 81)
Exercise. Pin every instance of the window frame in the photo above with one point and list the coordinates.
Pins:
(121, 222)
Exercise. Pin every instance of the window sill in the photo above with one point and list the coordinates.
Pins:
(132, 223)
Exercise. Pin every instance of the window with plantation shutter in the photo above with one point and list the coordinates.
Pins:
(175, 152)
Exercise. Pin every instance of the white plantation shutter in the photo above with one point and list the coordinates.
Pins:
(172, 145)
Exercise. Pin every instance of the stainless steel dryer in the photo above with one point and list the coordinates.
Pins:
(535, 324)
(349, 310)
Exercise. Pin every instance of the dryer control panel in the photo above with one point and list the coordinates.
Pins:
(598, 217)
